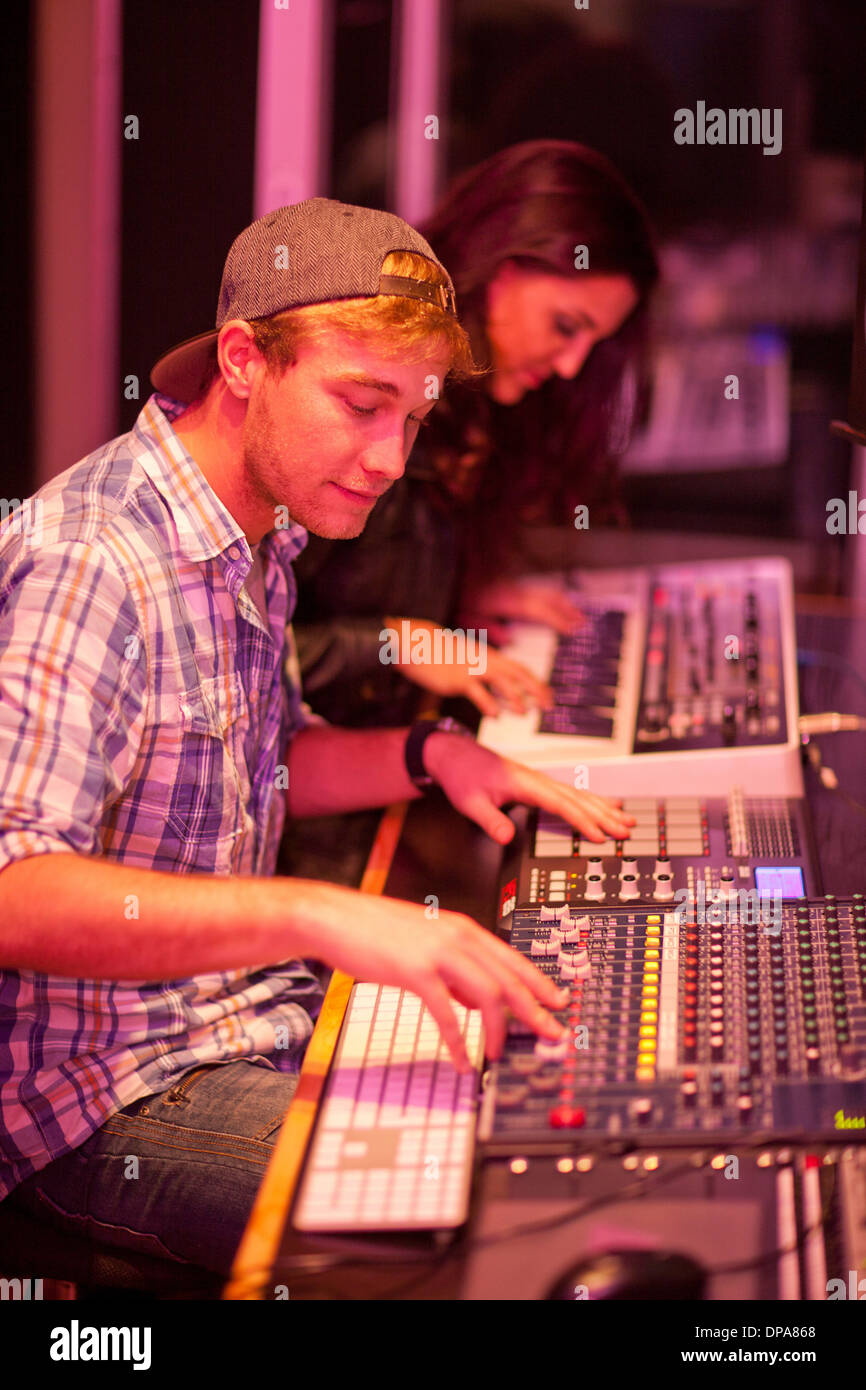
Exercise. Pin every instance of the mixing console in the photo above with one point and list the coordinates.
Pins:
(708, 848)
(680, 1030)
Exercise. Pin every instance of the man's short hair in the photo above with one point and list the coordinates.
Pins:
(398, 326)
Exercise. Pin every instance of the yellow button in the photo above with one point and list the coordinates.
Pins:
(651, 977)
(653, 931)
(654, 917)
(647, 1030)
(645, 1074)
(650, 1017)
(652, 955)
(650, 991)
(646, 1059)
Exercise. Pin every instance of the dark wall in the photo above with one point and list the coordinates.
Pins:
(362, 77)
(189, 75)
(16, 236)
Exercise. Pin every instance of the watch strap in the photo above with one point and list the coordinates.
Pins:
(414, 747)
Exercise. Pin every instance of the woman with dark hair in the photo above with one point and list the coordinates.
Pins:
(552, 260)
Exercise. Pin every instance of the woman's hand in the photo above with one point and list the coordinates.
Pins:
(489, 679)
(528, 601)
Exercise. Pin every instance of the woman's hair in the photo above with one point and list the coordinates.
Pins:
(534, 204)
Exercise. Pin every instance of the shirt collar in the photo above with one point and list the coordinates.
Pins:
(205, 527)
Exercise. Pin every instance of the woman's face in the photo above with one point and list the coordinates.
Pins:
(538, 324)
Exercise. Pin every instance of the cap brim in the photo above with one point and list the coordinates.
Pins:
(178, 373)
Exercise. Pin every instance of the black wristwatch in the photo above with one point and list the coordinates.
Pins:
(414, 749)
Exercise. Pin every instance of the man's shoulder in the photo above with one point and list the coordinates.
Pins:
(103, 502)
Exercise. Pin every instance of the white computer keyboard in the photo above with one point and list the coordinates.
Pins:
(394, 1143)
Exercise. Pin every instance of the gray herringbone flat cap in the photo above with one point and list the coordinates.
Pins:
(306, 253)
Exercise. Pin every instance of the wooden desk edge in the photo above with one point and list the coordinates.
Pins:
(258, 1248)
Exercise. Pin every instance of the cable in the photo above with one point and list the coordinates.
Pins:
(465, 1244)
(740, 1266)
(830, 723)
(629, 1193)
(324, 1264)
(828, 777)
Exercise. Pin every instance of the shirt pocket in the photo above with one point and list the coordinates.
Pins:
(210, 792)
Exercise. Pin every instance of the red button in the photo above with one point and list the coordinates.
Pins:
(567, 1117)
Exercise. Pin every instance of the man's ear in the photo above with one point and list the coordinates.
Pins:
(239, 358)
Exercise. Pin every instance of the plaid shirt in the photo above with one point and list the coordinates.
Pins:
(145, 713)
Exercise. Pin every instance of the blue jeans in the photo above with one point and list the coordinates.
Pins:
(173, 1175)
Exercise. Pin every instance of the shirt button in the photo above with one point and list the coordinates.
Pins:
(234, 553)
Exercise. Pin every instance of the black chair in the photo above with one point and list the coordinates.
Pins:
(31, 1249)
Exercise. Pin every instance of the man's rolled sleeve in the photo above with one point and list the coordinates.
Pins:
(73, 683)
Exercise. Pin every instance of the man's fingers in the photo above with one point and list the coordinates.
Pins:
(542, 988)
(486, 974)
(438, 1001)
(521, 1000)
(584, 810)
(478, 981)
(478, 806)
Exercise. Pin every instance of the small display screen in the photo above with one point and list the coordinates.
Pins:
(787, 882)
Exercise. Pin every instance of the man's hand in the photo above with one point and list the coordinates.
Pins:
(501, 682)
(477, 782)
(395, 943)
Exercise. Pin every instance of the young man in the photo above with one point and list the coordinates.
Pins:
(154, 1003)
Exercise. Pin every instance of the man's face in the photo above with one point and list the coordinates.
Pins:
(333, 433)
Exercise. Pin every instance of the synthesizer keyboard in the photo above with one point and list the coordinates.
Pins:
(687, 1031)
(394, 1142)
(682, 678)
